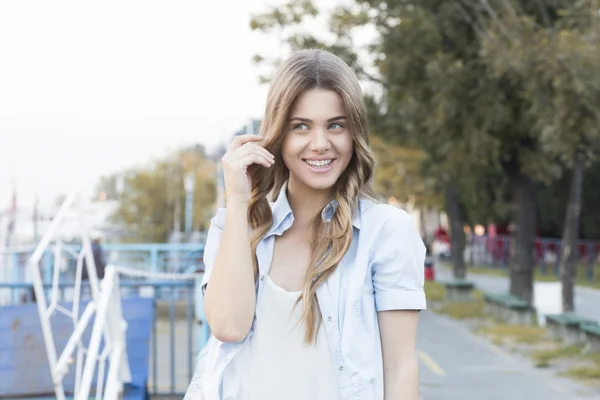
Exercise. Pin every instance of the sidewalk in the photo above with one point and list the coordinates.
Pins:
(455, 364)
(586, 299)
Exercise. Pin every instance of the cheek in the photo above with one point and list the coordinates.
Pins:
(288, 150)
(345, 147)
(291, 147)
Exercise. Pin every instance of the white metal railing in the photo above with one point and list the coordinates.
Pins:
(6, 266)
(109, 323)
(60, 366)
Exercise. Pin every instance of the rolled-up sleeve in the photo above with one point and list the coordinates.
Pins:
(213, 239)
(398, 265)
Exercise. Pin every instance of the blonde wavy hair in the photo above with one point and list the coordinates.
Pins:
(305, 70)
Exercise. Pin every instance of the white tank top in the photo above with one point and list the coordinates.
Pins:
(275, 364)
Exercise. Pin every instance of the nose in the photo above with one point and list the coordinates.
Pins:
(320, 141)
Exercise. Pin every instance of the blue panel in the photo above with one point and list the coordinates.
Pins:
(24, 369)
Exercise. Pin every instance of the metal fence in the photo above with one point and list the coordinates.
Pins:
(179, 331)
(497, 251)
(154, 257)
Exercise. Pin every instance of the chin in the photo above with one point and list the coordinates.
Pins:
(327, 186)
(320, 183)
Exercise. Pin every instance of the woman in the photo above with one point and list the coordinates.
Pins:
(316, 295)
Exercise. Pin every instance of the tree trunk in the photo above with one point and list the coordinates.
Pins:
(456, 231)
(568, 258)
(521, 271)
(423, 223)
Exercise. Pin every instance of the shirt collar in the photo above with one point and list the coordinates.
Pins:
(283, 216)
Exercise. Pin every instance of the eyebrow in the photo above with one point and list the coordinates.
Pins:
(338, 118)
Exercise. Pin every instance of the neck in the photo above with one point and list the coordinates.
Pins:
(306, 202)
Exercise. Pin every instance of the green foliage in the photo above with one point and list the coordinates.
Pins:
(487, 90)
(552, 202)
(558, 68)
(486, 197)
(287, 22)
(398, 174)
(293, 12)
(147, 205)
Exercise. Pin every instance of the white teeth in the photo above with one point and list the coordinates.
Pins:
(318, 163)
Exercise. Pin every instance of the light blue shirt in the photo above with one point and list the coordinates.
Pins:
(382, 270)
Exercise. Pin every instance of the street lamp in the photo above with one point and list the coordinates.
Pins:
(189, 202)
(120, 185)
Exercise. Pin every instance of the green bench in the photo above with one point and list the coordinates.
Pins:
(509, 308)
(459, 290)
(592, 336)
(573, 329)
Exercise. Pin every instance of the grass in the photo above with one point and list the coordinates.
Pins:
(543, 358)
(477, 294)
(549, 276)
(590, 372)
(516, 333)
(584, 373)
(435, 291)
(463, 309)
(585, 366)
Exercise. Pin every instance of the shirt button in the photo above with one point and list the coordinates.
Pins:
(329, 319)
(341, 368)
(262, 277)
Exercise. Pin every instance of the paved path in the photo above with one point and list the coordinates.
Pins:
(587, 300)
(458, 365)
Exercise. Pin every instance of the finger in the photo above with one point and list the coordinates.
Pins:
(252, 148)
(239, 141)
(250, 159)
(234, 157)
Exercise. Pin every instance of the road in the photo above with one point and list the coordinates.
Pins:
(458, 365)
(587, 300)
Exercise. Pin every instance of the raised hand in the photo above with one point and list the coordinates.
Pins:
(243, 151)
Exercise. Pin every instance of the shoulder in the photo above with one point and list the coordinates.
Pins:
(384, 218)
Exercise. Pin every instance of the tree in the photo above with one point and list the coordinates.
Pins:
(397, 114)
(553, 200)
(562, 66)
(399, 174)
(442, 97)
(153, 194)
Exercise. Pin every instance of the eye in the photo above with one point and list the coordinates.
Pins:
(336, 125)
(299, 127)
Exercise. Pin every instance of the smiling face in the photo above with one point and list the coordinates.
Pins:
(318, 145)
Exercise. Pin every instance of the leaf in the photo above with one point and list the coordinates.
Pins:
(147, 206)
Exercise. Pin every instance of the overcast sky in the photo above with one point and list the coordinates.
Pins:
(90, 88)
